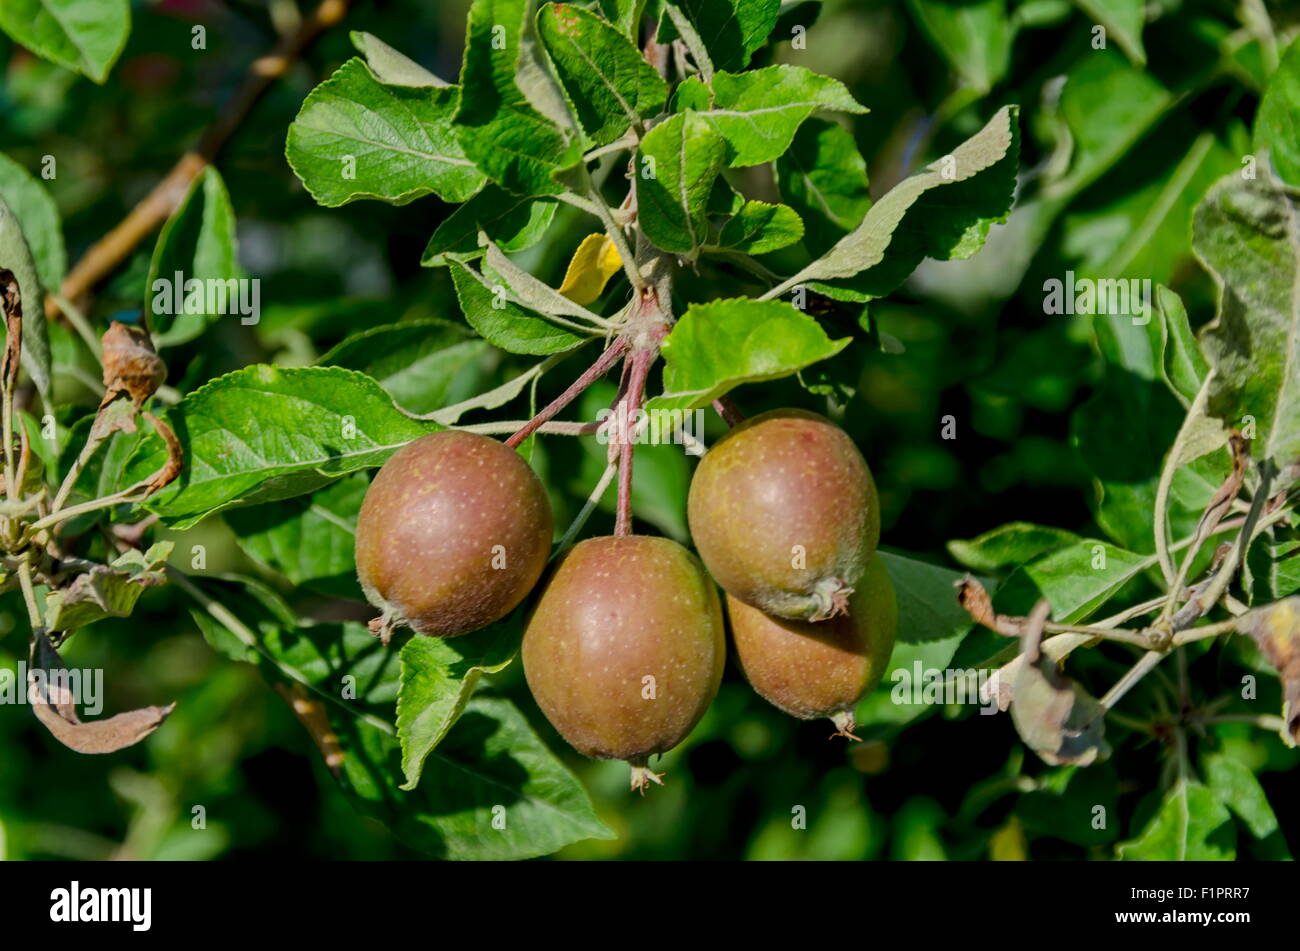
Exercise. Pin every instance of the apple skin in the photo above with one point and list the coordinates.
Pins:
(822, 669)
(784, 512)
(625, 648)
(453, 534)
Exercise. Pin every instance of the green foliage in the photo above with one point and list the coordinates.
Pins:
(1075, 458)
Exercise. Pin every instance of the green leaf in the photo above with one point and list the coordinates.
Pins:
(501, 129)
(759, 228)
(492, 789)
(1183, 364)
(1277, 122)
(389, 66)
(39, 218)
(492, 311)
(1192, 824)
(823, 177)
(1124, 431)
(513, 223)
(608, 81)
(732, 30)
(1076, 580)
(267, 433)
(678, 162)
(624, 14)
(356, 137)
(972, 187)
(975, 37)
(423, 364)
(83, 35)
(1008, 546)
(1247, 234)
(310, 539)
(1241, 792)
(17, 257)
(106, 590)
(1123, 20)
(724, 343)
(759, 112)
(438, 677)
(196, 243)
(927, 606)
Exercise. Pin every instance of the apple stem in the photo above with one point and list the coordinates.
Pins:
(589, 376)
(640, 361)
(730, 413)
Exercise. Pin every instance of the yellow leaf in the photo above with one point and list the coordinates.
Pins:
(593, 264)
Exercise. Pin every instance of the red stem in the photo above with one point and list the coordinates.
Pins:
(640, 361)
(730, 414)
(589, 376)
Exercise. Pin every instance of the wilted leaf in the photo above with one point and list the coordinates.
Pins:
(107, 590)
(1247, 234)
(55, 705)
(1275, 629)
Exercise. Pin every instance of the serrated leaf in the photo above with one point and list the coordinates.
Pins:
(759, 112)
(503, 322)
(1191, 825)
(678, 162)
(38, 217)
(499, 793)
(356, 137)
(83, 35)
(513, 223)
(732, 30)
(724, 343)
(266, 433)
(500, 128)
(1247, 234)
(758, 228)
(1275, 629)
(1277, 121)
(310, 539)
(823, 177)
(422, 364)
(17, 257)
(624, 14)
(608, 81)
(197, 243)
(527, 290)
(389, 66)
(952, 225)
(592, 265)
(438, 678)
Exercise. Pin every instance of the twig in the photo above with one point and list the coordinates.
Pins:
(589, 376)
(103, 257)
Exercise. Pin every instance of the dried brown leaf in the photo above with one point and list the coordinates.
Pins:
(1275, 629)
(131, 365)
(55, 706)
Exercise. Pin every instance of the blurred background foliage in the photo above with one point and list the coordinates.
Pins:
(1118, 145)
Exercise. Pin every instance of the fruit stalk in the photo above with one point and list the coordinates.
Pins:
(589, 376)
